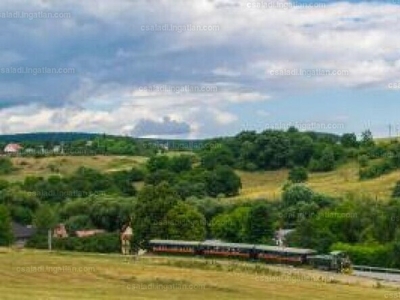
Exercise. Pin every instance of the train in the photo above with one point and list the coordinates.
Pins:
(336, 261)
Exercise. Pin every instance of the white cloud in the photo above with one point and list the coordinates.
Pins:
(115, 58)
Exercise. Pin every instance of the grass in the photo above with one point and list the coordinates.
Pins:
(68, 164)
(341, 182)
(31, 275)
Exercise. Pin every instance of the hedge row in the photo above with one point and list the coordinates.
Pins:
(102, 243)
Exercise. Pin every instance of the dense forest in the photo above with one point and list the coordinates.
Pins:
(182, 196)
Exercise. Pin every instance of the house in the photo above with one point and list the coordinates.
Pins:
(60, 231)
(87, 233)
(281, 236)
(22, 234)
(13, 149)
(57, 149)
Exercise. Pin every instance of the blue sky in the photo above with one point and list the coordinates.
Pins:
(195, 69)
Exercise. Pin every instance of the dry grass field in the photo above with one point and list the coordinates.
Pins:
(68, 164)
(33, 275)
(340, 182)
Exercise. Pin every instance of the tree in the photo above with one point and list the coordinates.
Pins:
(184, 222)
(180, 163)
(217, 155)
(6, 234)
(326, 163)
(45, 218)
(396, 190)
(231, 226)
(298, 175)
(259, 227)
(223, 180)
(154, 202)
(295, 193)
(367, 139)
(349, 140)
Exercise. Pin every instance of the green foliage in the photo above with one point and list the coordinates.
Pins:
(368, 255)
(6, 166)
(298, 175)
(376, 170)
(45, 218)
(325, 163)
(260, 224)
(223, 180)
(6, 234)
(367, 140)
(101, 243)
(21, 204)
(363, 161)
(217, 155)
(154, 202)
(396, 190)
(231, 226)
(104, 212)
(184, 222)
(296, 193)
(349, 140)
(78, 222)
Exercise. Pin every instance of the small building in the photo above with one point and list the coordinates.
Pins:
(13, 149)
(281, 236)
(22, 234)
(57, 149)
(60, 231)
(87, 233)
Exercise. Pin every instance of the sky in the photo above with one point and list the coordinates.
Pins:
(199, 68)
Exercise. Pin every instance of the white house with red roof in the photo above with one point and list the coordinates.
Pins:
(12, 149)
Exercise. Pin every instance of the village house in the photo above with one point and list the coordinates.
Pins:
(22, 234)
(60, 231)
(13, 149)
(87, 233)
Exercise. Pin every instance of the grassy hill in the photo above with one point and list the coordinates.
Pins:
(340, 182)
(28, 275)
(68, 164)
(268, 184)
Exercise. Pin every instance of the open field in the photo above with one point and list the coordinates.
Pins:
(340, 182)
(29, 275)
(68, 164)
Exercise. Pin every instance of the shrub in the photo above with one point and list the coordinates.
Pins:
(298, 175)
(101, 243)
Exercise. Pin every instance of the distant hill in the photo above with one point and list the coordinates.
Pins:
(56, 137)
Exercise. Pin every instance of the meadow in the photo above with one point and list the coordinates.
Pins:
(36, 275)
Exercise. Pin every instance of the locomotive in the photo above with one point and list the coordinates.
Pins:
(335, 261)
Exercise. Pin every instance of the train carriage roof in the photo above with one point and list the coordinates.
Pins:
(172, 242)
(285, 250)
(226, 245)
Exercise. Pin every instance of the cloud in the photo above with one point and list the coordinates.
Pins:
(114, 59)
(165, 127)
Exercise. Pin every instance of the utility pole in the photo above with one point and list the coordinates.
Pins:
(49, 239)
(390, 131)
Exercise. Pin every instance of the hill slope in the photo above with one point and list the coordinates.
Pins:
(267, 184)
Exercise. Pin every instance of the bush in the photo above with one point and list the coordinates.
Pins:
(376, 170)
(396, 190)
(369, 255)
(101, 243)
(363, 161)
(298, 175)
(6, 166)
